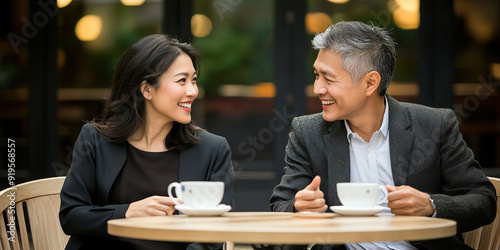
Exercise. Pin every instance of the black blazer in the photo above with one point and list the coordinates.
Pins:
(97, 162)
(427, 152)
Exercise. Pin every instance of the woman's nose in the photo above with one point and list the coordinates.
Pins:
(192, 90)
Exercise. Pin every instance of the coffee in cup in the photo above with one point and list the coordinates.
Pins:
(197, 194)
(360, 195)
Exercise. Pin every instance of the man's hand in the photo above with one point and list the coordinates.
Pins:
(310, 199)
(405, 200)
(151, 206)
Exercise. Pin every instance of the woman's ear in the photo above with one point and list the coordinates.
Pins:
(372, 79)
(146, 90)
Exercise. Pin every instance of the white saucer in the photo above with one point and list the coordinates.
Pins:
(218, 210)
(357, 211)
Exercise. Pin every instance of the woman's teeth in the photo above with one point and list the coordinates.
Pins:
(185, 105)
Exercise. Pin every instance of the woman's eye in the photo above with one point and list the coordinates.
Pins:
(182, 80)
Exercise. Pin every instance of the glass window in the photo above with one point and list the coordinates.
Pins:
(477, 78)
(93, 34)
(14, 51)
(400, 18)
(236, 42)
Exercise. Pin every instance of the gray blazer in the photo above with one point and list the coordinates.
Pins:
(427, 153)
(96, 163)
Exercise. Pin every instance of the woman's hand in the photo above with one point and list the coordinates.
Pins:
(151, 206)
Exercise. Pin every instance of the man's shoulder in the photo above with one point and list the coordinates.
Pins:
(425, 112)
(309, 120)
(424, 117)
(313, 124)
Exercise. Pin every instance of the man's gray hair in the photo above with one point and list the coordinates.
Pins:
(363, 48)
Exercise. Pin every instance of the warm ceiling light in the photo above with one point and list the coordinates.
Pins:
(201, 25)
(406, 20)
(338, 1)
(63, 3)
(409, 5)
(132, 2)
(88, 28)
(317, 22)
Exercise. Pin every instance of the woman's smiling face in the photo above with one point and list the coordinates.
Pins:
(176, 91)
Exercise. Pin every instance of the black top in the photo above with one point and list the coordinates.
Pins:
(143, 175)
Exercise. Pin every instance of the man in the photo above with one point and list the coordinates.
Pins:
(365, 135)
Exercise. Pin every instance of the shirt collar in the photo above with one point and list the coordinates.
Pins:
(384, 128)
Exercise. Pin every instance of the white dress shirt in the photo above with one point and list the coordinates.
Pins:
(371, 162)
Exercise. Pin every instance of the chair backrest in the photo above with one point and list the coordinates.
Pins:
(487, 237)
(30, 216)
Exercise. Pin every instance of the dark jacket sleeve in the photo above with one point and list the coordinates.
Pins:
(467, 196)
(79, 214)
(298, 173)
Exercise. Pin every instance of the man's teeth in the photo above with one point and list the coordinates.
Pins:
(185, 105)
(327, 102)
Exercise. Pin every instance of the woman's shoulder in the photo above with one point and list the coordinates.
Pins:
(88, 129)
(207, 136)
(90, 132)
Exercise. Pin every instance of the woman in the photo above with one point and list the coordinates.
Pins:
(144, 140)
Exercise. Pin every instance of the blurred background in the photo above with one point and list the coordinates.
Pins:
(57, 59)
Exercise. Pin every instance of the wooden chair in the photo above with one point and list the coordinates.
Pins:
(30, 216)
(487, 237)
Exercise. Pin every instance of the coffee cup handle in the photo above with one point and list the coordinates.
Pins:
(384, 190)
(177, 187)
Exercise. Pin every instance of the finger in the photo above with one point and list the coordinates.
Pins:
(309, 195)
(170, 211)
(316, 205)
(321, 209)
(314, 185)
(157, 212)
(400, 211)
(390, 188)
(165, 200)
(310, 204)
(398, 192)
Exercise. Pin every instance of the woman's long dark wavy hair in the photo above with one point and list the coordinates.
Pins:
(124, 111)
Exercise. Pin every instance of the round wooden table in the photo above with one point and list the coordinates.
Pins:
(282, 228)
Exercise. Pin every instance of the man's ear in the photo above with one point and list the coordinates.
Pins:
(146, 89)
(372, 80)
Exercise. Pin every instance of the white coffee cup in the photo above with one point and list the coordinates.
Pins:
(360, 195)
(198, 194)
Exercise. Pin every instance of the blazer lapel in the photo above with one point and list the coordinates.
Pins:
(112, 165)
(189, 161)
(400, 141)
(339, 163)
